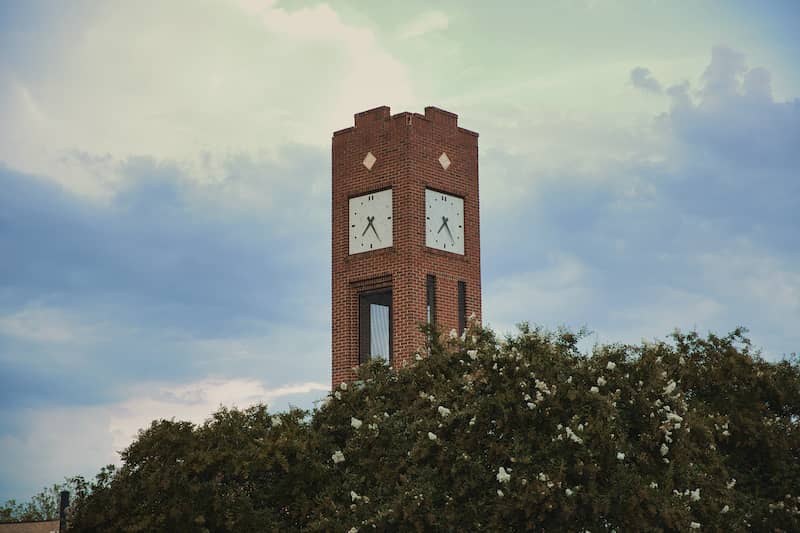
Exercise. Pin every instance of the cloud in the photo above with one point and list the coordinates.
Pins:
(425, 23)
(641, 78)
(684, 220)
(41, 446)
(44, 325)
(181, 81)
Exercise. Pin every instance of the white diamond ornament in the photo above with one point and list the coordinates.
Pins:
(369, 160)
(444, 160)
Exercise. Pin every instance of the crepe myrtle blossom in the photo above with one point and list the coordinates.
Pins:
(473, 354)
(620, 456)
(432, 436)
(725, 509)
(337, 395)
(695, 495)
(500, 493)
(670, 387)
(453, 334)
(601, 381)
(653, 485)
(355, 422)
(568, 492)
(611, 365)
(664, 449)
(595, 390)
(503, 476)
(354, 496)
(730, 484)
(694, 525)
(343, 385)
(444, 411)
(276, 421)
(337, 457)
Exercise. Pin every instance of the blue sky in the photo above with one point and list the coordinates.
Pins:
(165, 189)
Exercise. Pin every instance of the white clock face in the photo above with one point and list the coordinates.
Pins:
(371, 222)
(444, 222)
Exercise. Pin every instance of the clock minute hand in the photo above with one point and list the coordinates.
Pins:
(376, 232)
(444, 225)
(369, 223)
(448, 232)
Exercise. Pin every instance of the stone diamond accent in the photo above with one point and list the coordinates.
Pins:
(444, 160)
(369, 160)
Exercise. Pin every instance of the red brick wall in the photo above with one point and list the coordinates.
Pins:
(407, 147)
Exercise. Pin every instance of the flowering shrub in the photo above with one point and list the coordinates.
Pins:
(517, 434)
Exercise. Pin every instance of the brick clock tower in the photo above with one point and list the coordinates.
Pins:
(406, 234)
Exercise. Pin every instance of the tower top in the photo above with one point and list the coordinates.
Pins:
(379, 115)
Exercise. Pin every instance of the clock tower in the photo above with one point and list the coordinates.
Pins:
(406, 234)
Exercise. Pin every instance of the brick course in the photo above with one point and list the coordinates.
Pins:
(407, 147)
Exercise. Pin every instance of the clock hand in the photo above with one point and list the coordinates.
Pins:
(376, 232)
(444, 224)
(448, 232)
(369, 223)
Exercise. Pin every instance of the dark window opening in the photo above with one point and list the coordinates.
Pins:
(462, 306)
(431, 298)
(375, 326)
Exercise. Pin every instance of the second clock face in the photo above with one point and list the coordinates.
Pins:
(371, 221)
(444, 221)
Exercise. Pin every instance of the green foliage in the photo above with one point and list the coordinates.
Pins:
(42, 506)
(518, 434)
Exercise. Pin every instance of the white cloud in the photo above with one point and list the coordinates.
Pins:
(427, 22)
(56, 442)
(180, 79)
(193, 402)
(46, 325)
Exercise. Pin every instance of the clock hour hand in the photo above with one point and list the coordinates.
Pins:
(371, 225)
(444, 225)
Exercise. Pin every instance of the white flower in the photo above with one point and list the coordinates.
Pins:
(500, 493)
(531, 405)
(276, 421)
(353, 496)
(730, 484)
(569, 379)
(573, 436)
(337, 457)
(355, 422)
(664, 449)
(343, 385)
(601, 381)
(594, 390)
(453, 334)
(432, 436)
(444, 411)
(473, 354)
(694, 525)
(568, 492)
(542, 476)
(620, 456)
(471, 317)
(472, 421)
(338, 395)
(418, 357)
(352, 530)
(670, 387)
(653, 485)
(503, 476)
(611, 365)
(695, 495)
(725, 509)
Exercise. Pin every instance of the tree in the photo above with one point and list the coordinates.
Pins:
(41, 506)
(515, 434)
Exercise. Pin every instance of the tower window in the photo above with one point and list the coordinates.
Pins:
(375, 325)
(462, 306)
(431, 298)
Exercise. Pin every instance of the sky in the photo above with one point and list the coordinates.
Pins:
(165, 189)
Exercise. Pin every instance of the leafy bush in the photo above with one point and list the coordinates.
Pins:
(524, 433)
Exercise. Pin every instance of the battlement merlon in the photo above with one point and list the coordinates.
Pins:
(433, 115)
